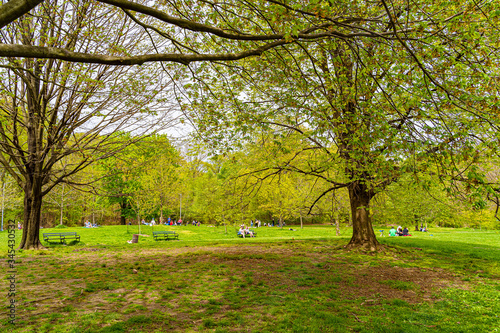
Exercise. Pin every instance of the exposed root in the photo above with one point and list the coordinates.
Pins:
(364, 247)
(39, 246)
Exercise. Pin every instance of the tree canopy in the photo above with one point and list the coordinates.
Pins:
(371, 90)
(372, 109)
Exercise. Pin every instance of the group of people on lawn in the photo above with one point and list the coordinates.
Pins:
(399, 232)
(170, 222)
(245, 231)
(404, 232)
(258, 224)
(87, 224)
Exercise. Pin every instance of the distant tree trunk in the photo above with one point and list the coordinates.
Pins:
(301, 226)
(123, 207)
(363, 234)
(161, 214)
(335, 212)
(62, 206)
(32, 215)
(93, 212)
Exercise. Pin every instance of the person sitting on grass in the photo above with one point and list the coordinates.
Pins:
(392, 232)
(405, 232)
(399, 231)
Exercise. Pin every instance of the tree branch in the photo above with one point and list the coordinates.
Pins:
(11, 50)
(14, 9)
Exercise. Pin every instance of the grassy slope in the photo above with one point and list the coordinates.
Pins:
(281, 281)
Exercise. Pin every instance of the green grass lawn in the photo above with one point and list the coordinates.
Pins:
(446, 280)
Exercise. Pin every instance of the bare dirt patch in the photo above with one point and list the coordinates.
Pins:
(185, 281)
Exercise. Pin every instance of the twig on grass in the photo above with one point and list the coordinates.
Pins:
(357, 318)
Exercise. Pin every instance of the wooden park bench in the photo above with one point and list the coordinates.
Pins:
(60, 237)
(165, 235)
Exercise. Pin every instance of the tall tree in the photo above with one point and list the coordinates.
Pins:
(161, 181)
(51, 109)
(371, 109)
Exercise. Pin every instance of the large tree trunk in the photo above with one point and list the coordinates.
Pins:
(363, 235)
(34, 169)
(32, 216)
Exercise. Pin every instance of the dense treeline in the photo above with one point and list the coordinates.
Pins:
(153, 179)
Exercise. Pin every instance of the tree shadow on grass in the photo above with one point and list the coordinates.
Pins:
(62, 245)
(461, 254)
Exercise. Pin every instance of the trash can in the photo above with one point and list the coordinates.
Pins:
(135, 238)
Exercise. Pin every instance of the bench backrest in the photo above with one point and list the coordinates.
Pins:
(60, 234)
